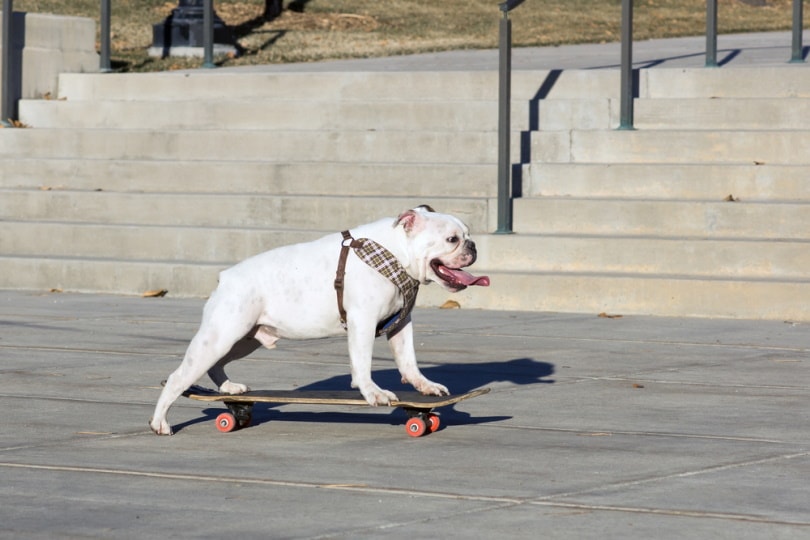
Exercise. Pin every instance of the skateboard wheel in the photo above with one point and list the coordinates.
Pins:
(226, 422)
(433, 422)
(416, 427)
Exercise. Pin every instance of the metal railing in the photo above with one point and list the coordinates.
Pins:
(628, 86)
(9, 98)
(504, 117)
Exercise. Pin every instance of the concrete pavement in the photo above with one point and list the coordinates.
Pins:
(733, 50)
(596, 427)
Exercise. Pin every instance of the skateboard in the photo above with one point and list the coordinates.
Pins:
(421, 419)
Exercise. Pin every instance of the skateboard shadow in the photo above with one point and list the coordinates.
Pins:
(459, 378)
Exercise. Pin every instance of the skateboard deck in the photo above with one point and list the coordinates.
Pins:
(418, 407)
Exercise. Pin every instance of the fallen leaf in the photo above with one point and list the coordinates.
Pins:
(55, 290)
(604, 315)
(155, 293)
(731, 198)
(636, 385)
(450, 304)
(759, 162)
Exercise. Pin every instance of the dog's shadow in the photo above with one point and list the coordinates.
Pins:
(460, 378)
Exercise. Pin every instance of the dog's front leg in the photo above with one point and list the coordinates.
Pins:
(361, 350)
(402, 346)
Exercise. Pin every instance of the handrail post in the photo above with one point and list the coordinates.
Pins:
(208, 34)
(797, 55)
(626, 108)
(711, 33)
(104, 37)
(504, 118)
(7, 106)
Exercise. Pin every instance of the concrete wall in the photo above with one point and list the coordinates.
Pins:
(47, 45)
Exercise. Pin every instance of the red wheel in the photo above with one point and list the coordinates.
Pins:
(226, 422)
(416, 427)
(433, 422)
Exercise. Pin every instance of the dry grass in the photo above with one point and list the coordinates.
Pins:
(310, 30)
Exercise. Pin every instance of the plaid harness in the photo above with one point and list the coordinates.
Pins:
(384, 262)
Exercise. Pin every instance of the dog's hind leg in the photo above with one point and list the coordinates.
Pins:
(240, 349)
(217, 336)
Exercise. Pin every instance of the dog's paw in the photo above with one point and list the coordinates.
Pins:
(161, 428)
(233, 388)
(377, 396)
(430, 388)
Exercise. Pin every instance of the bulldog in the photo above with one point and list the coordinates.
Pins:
(362, 284)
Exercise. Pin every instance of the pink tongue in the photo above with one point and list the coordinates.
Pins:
(465, 278)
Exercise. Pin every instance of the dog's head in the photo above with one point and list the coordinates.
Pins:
(440, 247)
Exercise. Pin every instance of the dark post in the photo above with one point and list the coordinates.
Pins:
(7, 112)
(798, 23)
(208, 34)
(104, 37)
(504, 128)
(711, 33)
(183, 32)
(626, 110)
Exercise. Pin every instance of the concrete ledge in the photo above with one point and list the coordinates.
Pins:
(49, 45)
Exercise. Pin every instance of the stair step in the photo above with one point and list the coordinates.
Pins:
(270, 114)
(784, 81)
(632, 294)
(585, 293)
(278, 178)
(706, 258)
(223, 210)
(236, 145)
(786, 147)
(692, 219)
(207, 245)
(346, 86)
(709, 181)
(673, 113)
(512, 253)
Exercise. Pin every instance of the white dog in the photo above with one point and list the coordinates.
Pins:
(290, 292)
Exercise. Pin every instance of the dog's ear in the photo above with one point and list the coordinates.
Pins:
(410, 219)
(426, 207)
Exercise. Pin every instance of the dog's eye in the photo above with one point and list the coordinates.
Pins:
(453, 239)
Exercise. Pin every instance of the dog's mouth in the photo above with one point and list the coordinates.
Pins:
(456, 278)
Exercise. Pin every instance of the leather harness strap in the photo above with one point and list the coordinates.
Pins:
(382, 260)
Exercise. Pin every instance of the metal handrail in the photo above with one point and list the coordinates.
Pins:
(8, 101)
(628, 88)
(504, 120)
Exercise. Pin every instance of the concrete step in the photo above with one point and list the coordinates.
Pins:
(237, 145)
(278, 178)
(707, 258)
(617, 294)
(711, 182)
(224, 210)
(628, 294)
(784, 147)
(759, 81)
(644, 256)
(348, 86)
(676, 113)
(634, 217)
(224, 246)
(271, 114)
(785, 81)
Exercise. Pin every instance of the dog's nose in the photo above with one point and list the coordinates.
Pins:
(469, 246)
